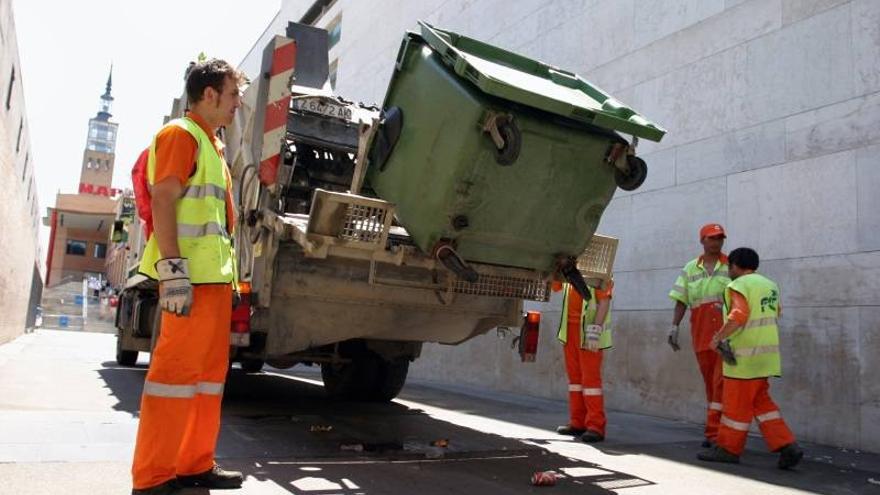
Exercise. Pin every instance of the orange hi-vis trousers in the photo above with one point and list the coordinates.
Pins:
(743, 401)
(586, 404)
(710, 367)
(180, 406)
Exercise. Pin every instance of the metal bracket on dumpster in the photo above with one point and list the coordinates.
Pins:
(618, 153)
(366, 133)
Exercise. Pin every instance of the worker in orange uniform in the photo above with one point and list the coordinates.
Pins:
(190, 254)
(585, 331)
(751, 342)
(700, 287)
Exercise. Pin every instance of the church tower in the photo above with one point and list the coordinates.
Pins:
(100, 152)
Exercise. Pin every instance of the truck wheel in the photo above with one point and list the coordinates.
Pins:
(392, 377)
(123, 357)
(252, 365)
(366, 378)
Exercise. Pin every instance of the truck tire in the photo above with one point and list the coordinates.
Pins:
(365, 378)
(123, 357)
(392, 377)
(252, 365)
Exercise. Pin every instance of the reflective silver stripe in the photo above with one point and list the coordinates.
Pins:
(165, 390)
(736, 425)
(761, 322)
(723, 273)
(769, 416)
(209, 388)
(715, 406)
(678, 288)
(203, 191)
(757, 350)
(592, 391)
(210, 228)
(708, 300)
(699, 276)
(575, 388)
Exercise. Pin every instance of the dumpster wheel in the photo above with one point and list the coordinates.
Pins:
(634, 176)
(506, 137)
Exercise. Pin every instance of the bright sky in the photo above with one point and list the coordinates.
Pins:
(66, 48)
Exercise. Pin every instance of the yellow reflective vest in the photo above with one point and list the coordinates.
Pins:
(756, 344)
(202, 233)
(588, 315)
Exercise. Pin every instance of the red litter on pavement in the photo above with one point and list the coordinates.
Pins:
(544, 478)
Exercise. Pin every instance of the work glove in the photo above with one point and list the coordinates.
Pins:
(175, 289)
(672, 338)
(726, 352)
(591, 337)
(236, 298)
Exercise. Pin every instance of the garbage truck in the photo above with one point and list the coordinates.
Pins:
(364, 231)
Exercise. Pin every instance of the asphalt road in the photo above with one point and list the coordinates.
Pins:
(68, 417)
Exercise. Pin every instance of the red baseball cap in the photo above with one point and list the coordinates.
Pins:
(711, 229)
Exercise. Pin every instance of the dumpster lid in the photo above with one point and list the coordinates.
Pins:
(516, 78)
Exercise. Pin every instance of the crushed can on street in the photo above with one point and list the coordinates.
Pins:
(544, 478)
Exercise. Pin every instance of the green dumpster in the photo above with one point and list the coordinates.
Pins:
(492, 157)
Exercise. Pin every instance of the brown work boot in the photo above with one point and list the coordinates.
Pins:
(213, 478)
(790, 456)
(718, 454)
(570, 430)
(591, 436)
(170, 487)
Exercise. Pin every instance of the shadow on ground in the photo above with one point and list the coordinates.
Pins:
(281, 430)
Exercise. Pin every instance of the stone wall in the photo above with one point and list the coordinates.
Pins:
(19, 208)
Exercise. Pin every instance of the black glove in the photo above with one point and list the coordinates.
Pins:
(726, 352)
(236, 298)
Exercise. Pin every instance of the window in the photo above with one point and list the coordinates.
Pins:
(334, 30)
(100, 250)
(9, 90)
(18, 141)
(76, 248)
(27, 157)
(30, 187)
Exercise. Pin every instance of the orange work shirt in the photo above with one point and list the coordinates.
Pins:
(176, 154)
(575, 301)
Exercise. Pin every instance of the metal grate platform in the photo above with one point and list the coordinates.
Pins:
(534, 288)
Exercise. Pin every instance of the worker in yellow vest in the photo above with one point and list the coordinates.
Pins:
(585, 331)
(750, 338)
(700, 288)
(190, 255)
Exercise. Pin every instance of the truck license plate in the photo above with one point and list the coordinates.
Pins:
(322, 107)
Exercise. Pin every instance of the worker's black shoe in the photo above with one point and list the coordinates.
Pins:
(790, 456)
(718, 454)
(591, 436)
(707, 444)
(170, 487)
(213, 478)
(570, 430)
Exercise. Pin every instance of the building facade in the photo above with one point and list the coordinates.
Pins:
(773, 113)
(80, 224)
(21, 281)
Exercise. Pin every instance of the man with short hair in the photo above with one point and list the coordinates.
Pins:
(190, 254)
(754, 307)
(700, 287)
